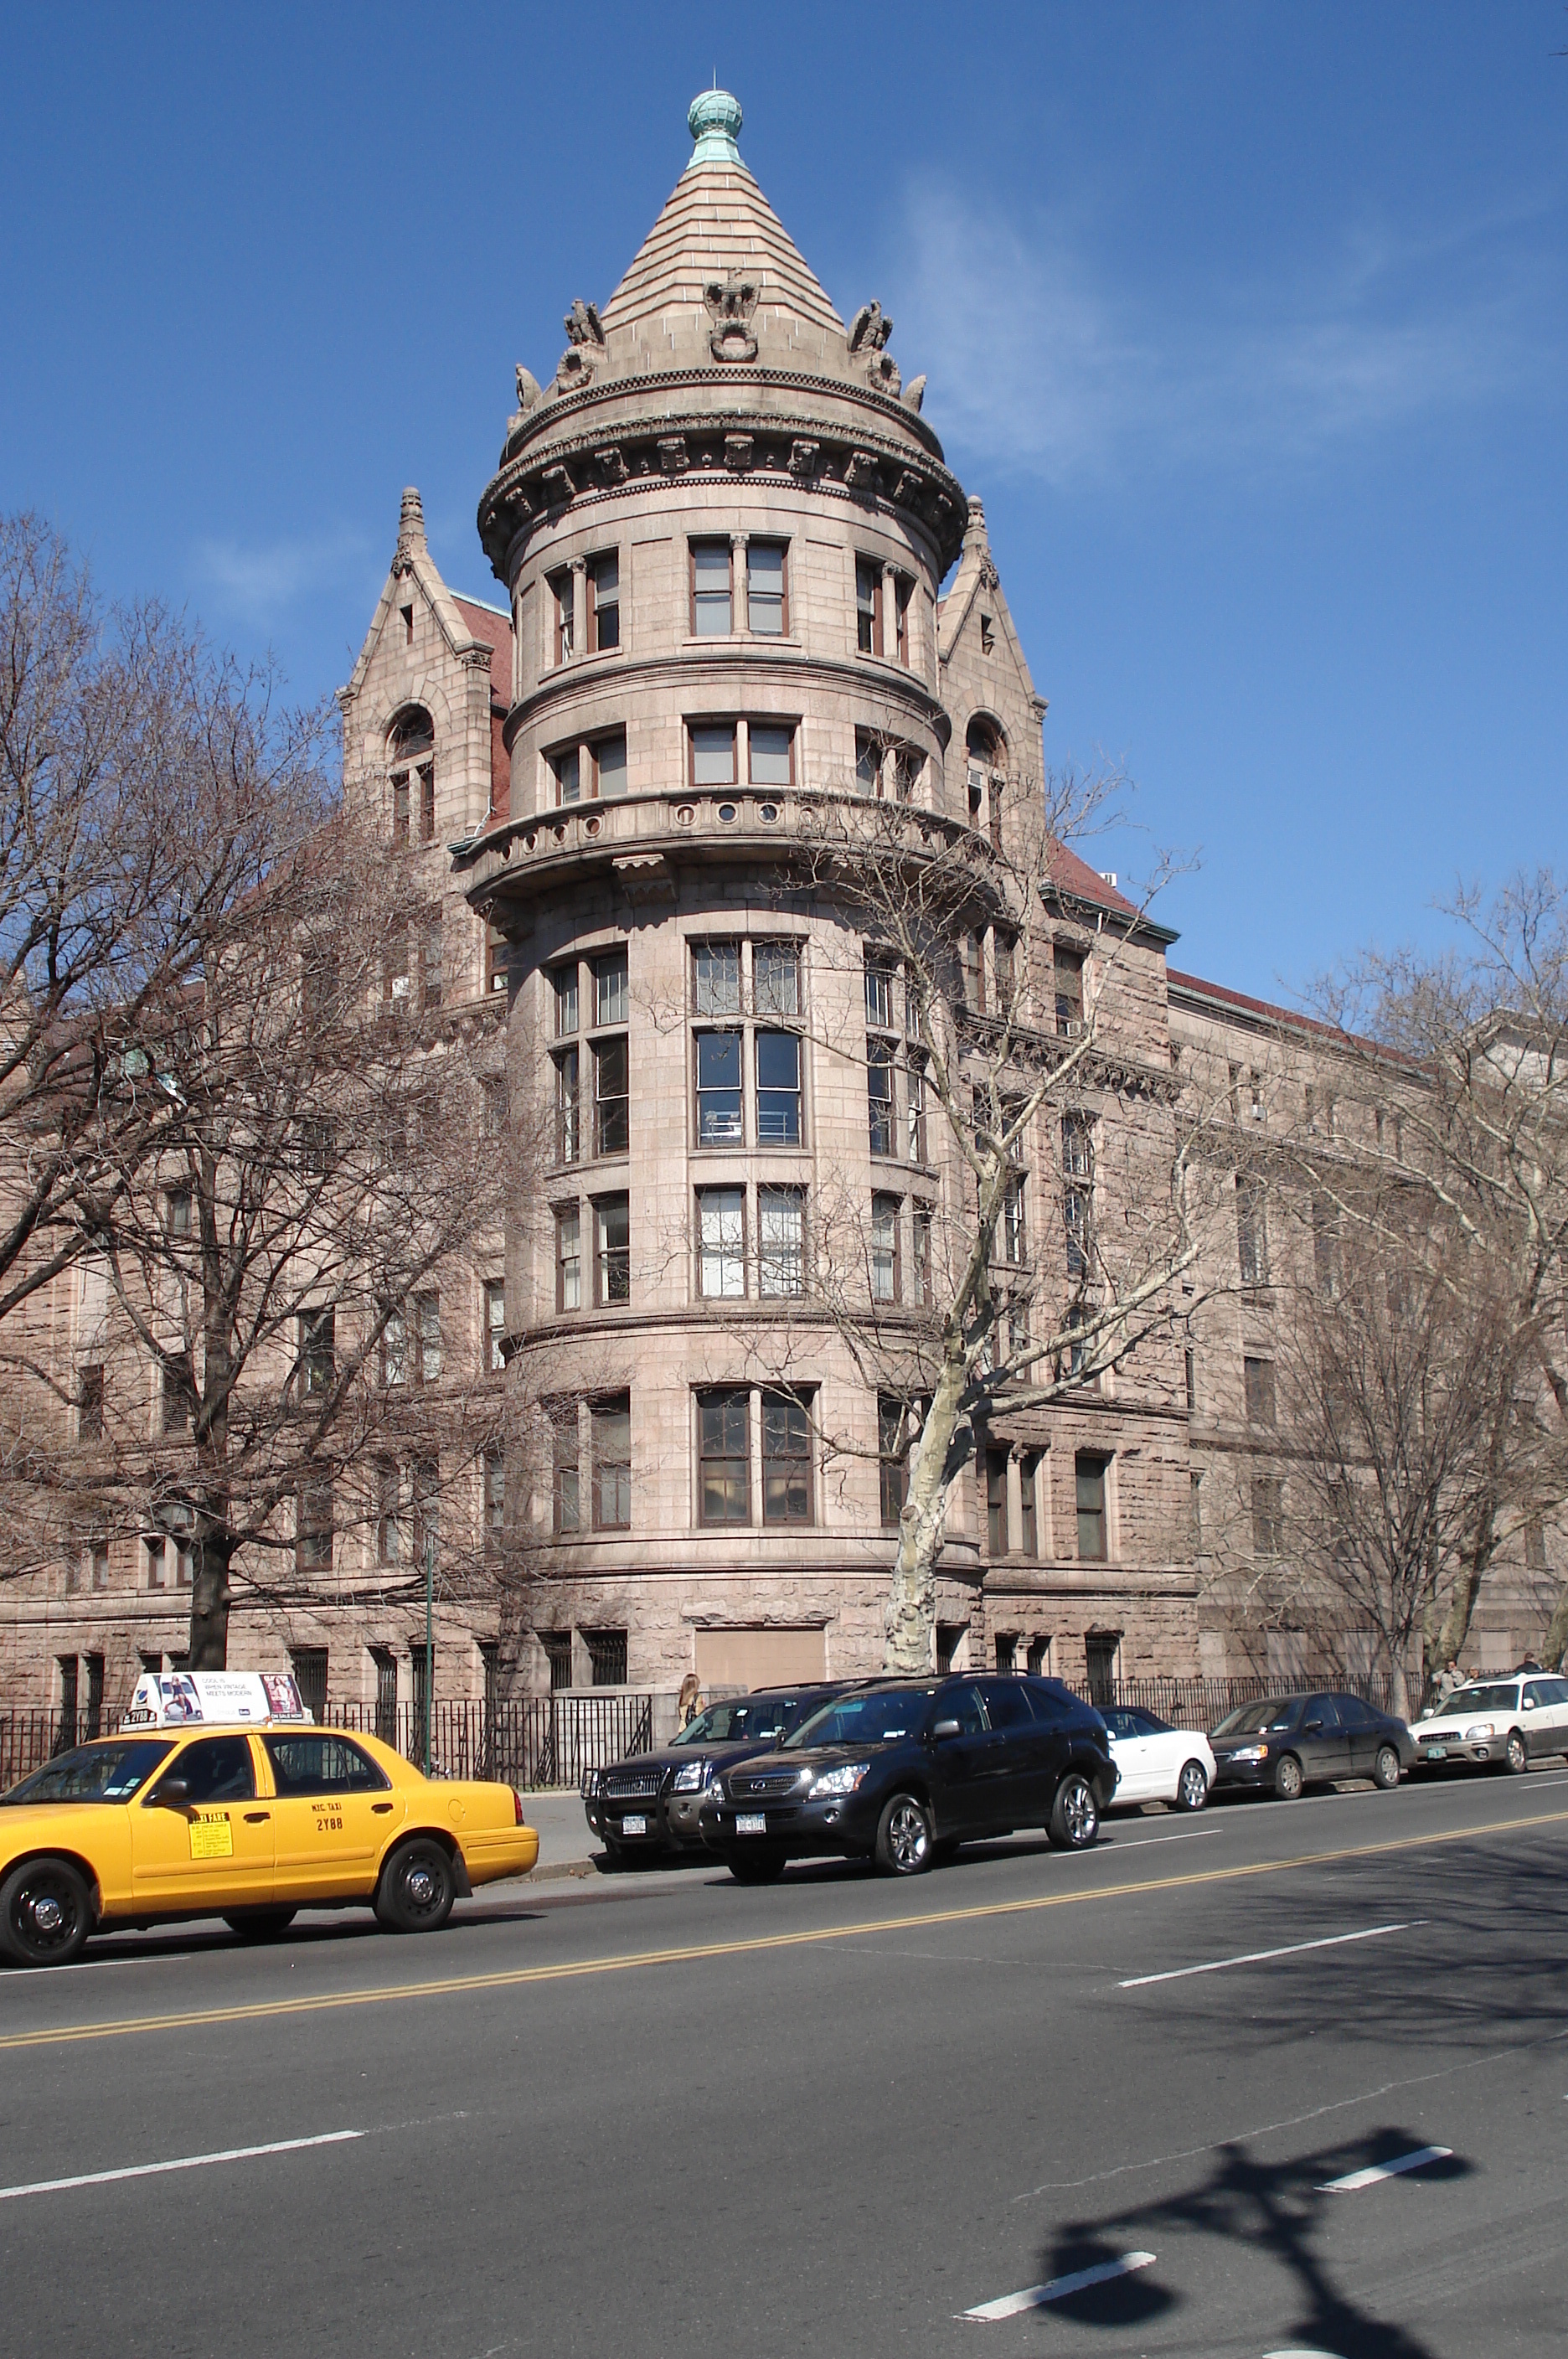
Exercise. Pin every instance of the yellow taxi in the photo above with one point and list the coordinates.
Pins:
(249, 1820)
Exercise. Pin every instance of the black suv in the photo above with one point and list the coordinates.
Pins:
(648, 1804)
(903, 1772)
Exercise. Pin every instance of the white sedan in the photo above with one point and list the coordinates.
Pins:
(1157, 1763)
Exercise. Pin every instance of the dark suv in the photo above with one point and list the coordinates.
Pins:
(648, 1804)
(902, 1772)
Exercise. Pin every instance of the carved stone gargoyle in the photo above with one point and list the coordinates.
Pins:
(730, 304)
(585, 337)
(868, 333)
(528, 395)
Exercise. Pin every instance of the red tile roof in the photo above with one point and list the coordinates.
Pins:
(1071, 875)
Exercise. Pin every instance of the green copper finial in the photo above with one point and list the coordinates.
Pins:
(714, 118)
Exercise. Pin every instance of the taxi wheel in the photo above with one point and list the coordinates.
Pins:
(417, 1889)
(261, 1924)
(45, 1913)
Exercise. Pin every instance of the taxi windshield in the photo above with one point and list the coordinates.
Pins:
(880, 1718)
(96, 1773)
(1479, 1700)
(738, 1718)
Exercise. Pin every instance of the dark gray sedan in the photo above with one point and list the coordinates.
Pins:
(1283, 1743)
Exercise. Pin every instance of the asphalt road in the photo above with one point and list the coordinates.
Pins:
(669, 2116)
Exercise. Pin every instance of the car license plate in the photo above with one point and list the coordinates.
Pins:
(635, 1825)
(1436, 1752)
(751, 1822)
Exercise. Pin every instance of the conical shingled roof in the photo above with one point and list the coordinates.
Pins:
(717, 223)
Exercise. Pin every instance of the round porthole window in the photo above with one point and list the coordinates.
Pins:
(684, 815)
(591, 826)
(769, 811)
(727, 814)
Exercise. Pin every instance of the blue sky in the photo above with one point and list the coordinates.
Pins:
(1249, 323)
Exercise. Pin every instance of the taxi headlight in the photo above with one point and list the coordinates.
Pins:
(1478, 1730)
(841, 1781)
(689, 1777)
(1250, 1753)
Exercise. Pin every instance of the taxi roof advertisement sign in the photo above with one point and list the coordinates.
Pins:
(187, 1699)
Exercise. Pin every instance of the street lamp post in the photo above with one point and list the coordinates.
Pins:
(430, 1640)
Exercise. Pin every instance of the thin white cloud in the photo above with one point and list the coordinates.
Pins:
(1039, 363)
(263, 584)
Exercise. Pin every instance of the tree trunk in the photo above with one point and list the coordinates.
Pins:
(937, 1457)
(1456, 1623)
(211, 1598)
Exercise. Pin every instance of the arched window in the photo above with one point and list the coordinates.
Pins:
(985, 764)
(411, 770)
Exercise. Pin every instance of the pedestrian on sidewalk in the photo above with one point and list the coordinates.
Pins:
(689, 1703)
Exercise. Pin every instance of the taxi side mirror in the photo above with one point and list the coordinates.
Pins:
(173, 1793)
(945, 1729)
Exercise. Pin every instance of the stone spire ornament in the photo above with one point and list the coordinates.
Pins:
(410, 526)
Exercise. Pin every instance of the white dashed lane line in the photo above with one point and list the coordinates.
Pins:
(1013, 2305)
(1355, 2181)
(183, 2162)
(1261, 1956)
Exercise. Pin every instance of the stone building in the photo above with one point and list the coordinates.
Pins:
(739, 577)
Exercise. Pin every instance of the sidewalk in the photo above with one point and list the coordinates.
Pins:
(566, 1843)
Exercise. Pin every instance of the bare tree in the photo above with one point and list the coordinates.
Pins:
(115, 857)
(1002, 1049)
(1464, 1059)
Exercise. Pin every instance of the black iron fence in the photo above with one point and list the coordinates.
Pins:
(532, 1741)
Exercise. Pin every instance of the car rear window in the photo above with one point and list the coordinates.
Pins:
(96, 1773)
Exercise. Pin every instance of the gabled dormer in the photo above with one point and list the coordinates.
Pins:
(984, 679)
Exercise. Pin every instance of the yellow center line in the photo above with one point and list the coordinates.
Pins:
(630, 1961)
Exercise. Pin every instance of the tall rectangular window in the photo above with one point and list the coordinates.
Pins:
(177, 1212)
(495, 1498)
(724, 1458)
(563, 997)
(868, 606)
(997, 1502)
(569, 1257)
(608, 755)
(715, 978)
(1013, 1238)
(1028, 1503)
(560, 588)
(923, 1260)
(770, 756)
(612, 1126)
(313, 1526)
(90, 1402)
(568, 1134)
(710, 589)
(718, 1089)
(879, 993)
(881, 1110)
(767, 602)
(318, 1354)
(1078, 1190)
(776, 978)
(885, 1273)
(395, 1346)
(915, 1107)
(781, 1225)
(713, 745)
(1268, 1513)
(610, 994)
(721, 1244)
(607, 1658)
(1257, 1380)
(610, 1423)
(430, 962)
(778, 1089)
(604, 603)
(867, 761)
(427, 803)
(494, 1324)
(400, 808)
(557, 1648)
(428, 1335)
(1189, 1378)
(566, 766)
(388, 1514)
(566, 1496)
(903, 590)
(1068, 977)
(1089, 1477)
(1251, 1231)
(892, 1458)
(611, 1250)
(786, 1460)
(178, 1395)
